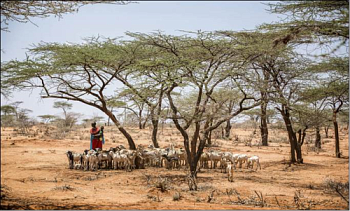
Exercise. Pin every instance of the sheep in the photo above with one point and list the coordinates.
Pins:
(226, 155)
(78, 166)
(252, 160)
(182, 156)
(85, 159)
(242, 159)
(93, 161)
(73, 158)
(132, 154)
(223, 164)
(104, 156)
(234, 159)
(171, 161)
(114, 149)
(229, 169)
(173, 156)
(214, 157)
(121, 160)
(116, 158)
(150, 156)
(121, 147)
(204, 160)
(160, 153)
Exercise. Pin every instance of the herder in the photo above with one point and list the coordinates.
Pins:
(97, 137)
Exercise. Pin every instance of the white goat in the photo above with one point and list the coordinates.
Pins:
(104, 156)
(85, 160)
(252, 160)
(234, 159)
(182, 156)
(242, 159)
(204, 160)
(93, 161)
(151, 157)
(214, 157)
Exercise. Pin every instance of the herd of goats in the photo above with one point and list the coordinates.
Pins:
(121, 158)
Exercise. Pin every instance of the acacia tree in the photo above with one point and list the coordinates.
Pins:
(229, 96)
(78, 72)
(47, 118)
(8, 115)
(323, 22)
(69, 118)
(23, 11)
(256, 48)
(136, 105)
(112, 104)
(203, 62)
(333, 90)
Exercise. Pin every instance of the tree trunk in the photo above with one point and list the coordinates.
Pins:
(299, 144)
(326, 131)
(299, 154)
(336, 135)
(209, 139)
(155, 118)
(263, 124)
(140, 119)
(122, 130)
(318, 138)
(291, 134)
(228, 129)
(144, 123)
(154, 133)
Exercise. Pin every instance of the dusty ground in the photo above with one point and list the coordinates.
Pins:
(35, 175)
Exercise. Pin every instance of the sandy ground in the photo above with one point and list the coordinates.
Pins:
(35, 175)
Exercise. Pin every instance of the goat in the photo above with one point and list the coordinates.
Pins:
(204, 160)
(116, 158)
(214, 157)
(171, 161)
(242, 159)
(85, 159)
(223, 164)
(151, 157)
(78, 166)
(73, 158)
(121, 147)
(234, 159)
(93, 161)
(252, 160)
(104, 156)
(182, 156)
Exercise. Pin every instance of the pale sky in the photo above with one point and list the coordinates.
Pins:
(113, 21)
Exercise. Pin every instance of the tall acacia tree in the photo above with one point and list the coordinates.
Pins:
(332, 90)
(24, 11)
(322, 22)
(281, 74)
(77, 72)
(202, 61)
(256, 48)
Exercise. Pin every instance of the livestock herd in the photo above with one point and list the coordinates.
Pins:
(121, 158)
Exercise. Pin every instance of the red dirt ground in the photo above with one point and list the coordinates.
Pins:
(35, 175)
